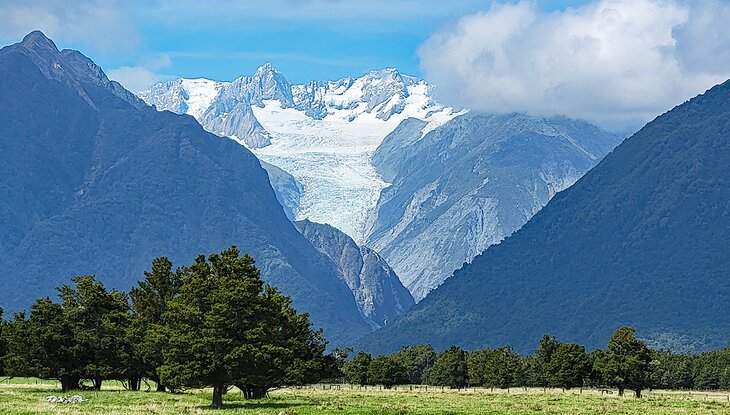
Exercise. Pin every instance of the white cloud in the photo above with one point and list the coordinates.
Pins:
(618, 63)
(101, 24)
(140, 77)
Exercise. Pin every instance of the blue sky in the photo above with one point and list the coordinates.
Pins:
(306, 48)
(223, 39)
(617, 63)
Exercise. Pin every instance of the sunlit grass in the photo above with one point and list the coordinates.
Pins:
(24, 396)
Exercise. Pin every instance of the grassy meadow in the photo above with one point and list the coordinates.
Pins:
(28, 396)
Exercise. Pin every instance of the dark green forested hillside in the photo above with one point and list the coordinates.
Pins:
(643, 239)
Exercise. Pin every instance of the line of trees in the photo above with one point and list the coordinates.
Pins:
(626, 364)
(216, 324)
(211, 324)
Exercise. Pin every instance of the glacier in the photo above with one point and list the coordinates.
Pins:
(426, 186)
(322, 133)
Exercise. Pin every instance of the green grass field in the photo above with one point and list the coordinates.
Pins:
(25, 397)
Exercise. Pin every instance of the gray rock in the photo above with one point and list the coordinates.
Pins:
(239, 123)
(470, 183)
(378, 292)
(287, 189)
(66, 399)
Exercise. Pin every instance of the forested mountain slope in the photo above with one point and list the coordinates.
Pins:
(640, 240)
(468, 184)
(94, 181)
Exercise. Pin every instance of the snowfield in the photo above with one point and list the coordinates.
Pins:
(331, 158)
(322, 133)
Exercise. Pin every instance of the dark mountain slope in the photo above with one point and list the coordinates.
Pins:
(470, 183)
(94, 181)
(641, 240)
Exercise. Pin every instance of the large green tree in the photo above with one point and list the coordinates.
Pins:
(568, 366)
(543, 354)
(356, 370)
(43, 345)
(477, 365)
(83, 337)
(627, 362)
(149, 303)
(286, 353)
(450, 369)
(226, 328)
(418, 360)
(504, 369)
(387, 371)
(99, 320)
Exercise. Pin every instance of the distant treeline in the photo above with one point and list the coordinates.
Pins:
(216, 324)
(626, 363)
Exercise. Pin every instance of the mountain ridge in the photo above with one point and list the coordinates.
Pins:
(469, 183)
(640, 240)
(378, 291)
(97, 182)
(323, 133)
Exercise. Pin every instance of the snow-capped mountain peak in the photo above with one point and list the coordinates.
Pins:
(266, 84)
(383, 91)
(199, 94)
(323, 133)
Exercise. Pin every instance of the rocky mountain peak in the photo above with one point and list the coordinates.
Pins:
(36, 40)
(71, 68)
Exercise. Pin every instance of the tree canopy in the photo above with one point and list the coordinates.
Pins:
(76, 339)
(356, 370)
(149, 303)
(627, 362)
(227, 328)
(387, 371)
(418, 360)
(568, 366)
(450, 369)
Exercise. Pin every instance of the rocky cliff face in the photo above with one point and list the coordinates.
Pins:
(379, 294)
(468, 184)
(287, 189)
(640, 240)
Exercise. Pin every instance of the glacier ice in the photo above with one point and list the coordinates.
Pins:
(323, 133)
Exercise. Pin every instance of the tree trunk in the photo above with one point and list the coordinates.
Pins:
(620, 391)
(638, 393)
(97, 384)
(134, 384)
(160, 386)
(70, 383)
(253, 391)
(218, 396)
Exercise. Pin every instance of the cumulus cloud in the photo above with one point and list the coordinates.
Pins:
(140, 77)
(618, 63)
(101, 24)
